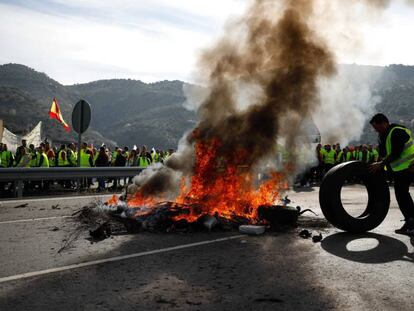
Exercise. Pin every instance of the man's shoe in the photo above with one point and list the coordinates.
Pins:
(407, 228)
(402, 230)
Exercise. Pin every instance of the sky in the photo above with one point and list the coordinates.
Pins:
(78, 41)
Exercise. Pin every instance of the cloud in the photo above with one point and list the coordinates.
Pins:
(79, 41)
(120, 39)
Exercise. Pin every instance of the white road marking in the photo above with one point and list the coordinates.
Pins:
(112, 259)
(33, 219)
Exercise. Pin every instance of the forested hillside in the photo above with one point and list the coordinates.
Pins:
(132, 112)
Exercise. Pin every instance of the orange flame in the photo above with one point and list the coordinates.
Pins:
(112, 201)
(218, 186)
(227, 190)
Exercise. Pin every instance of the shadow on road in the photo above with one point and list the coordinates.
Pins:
(387, 250)
(263, 273)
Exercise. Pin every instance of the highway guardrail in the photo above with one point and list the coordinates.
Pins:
(18, 175)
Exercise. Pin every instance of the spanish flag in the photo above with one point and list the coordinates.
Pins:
(55, 113)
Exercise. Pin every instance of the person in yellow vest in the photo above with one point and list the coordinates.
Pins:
(50, 154)
(351, 150)
(328, 157)
(355, 153)
(374, 154)
(358, 153)
(86, 160)
(114, 154)
(24, 160)
(126, 152)
(86, 157)
(153, 154)
(133, 158)
(348, 154)
(33, 156)
(144, 160)
(340, 155)
(6, 157)
(62, 160)
(18, 152)
(364, 154)
(71, 155)
(43, 160)
(396, 151)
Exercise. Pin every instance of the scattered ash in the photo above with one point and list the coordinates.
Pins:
(104, 220)
(313, 222)
(100, 220)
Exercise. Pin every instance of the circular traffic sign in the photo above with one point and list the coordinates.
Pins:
(81, 116)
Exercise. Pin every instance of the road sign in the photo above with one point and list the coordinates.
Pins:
(81, 116)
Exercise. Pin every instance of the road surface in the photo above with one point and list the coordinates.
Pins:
(201, 271)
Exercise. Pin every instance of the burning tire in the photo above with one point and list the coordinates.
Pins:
(331, 204)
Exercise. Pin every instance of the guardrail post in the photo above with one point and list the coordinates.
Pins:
(15, 188)
(78, 185)
(19, 186)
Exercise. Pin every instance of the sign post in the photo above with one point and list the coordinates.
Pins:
(81, 118)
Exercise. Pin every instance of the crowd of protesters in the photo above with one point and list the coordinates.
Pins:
(45, 155)
(330, 155)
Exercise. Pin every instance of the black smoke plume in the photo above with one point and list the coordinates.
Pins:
(277, 53)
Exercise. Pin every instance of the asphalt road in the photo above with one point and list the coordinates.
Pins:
(201, 271)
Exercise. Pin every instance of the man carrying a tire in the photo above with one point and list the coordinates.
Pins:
(396, 151)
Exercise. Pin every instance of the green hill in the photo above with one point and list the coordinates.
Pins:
(125, 112)
(132, 112)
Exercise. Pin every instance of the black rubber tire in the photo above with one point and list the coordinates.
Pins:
(330, 197)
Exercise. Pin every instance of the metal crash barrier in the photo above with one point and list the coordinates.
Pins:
(19, 175)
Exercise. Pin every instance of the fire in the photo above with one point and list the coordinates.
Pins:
(225, 187)
(138, 199)
(113, 200)
(221, 186)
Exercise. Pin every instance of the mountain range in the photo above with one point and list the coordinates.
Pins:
(124, 112)
(127, 112)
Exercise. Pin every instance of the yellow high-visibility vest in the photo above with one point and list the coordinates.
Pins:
(60, 161)
(407, 156)
(84, 160)
(143, 162)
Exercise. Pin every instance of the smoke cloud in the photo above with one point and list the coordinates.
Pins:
(347, 101)
(273, 69)
(273, 57)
